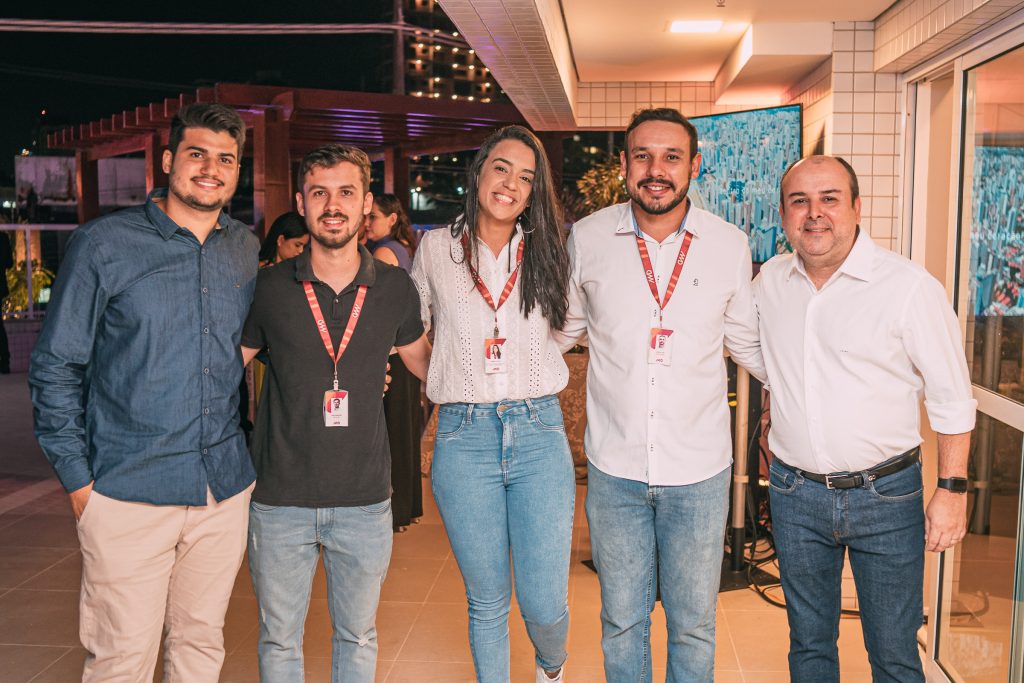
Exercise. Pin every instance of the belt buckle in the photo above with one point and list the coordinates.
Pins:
(828, 482)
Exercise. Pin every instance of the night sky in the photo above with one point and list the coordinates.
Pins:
(83, 77)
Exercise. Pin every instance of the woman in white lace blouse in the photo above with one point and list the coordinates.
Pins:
(495, 284)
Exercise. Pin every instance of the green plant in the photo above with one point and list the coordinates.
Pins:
(602, 186)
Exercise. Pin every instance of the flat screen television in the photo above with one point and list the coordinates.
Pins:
(997, 231)
(744, 154)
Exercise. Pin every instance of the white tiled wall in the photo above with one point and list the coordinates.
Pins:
(865, 127)
(607, 105)
(911, 31)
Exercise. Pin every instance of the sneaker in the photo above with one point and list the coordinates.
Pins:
(542, 676)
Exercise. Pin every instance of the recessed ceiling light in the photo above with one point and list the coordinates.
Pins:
(695, 26)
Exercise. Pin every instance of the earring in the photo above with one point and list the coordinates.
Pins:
(519, 224)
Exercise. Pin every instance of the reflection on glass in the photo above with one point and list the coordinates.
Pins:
(975, 635)
(977, 616)
(994, 192)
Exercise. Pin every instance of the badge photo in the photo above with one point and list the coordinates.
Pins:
(660, 347)
(494, 355)
(336, 409)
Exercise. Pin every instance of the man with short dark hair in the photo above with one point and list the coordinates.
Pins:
(659, 286)
(134, 380)
(853, 336)
(328, 319)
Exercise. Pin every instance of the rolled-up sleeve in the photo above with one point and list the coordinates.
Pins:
(742, 337)
(931, 337)
(576, 312)
(57, 371)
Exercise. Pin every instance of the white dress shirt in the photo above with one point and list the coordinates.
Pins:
(664, 425)
(848, 363)
(462, 320)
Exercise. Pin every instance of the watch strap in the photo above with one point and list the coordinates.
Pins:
(954, 484)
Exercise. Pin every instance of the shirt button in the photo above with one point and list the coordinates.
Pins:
(652, 413)
(203, 251)
(206, 330)
(206, 451)
(206, 290)
(206, 371)
(206, 411)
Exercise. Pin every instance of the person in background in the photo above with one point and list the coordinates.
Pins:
(388, 228)
(502, 472)
(286, 239)
(134, 383)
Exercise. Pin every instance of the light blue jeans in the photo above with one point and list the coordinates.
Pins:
(644, 535)
(504, 481)
(284, 547)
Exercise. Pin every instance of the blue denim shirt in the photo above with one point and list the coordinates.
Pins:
(135, 374)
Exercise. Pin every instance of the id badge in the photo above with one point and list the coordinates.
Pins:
(336, 409)
(494, 356)
(660, 347)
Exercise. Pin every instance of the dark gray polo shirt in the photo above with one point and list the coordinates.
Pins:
(300, 462)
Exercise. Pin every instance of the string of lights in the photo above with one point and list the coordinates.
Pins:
(206, 28)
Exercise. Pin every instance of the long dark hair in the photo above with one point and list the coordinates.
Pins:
(544, 279)
(289, 225)
(402, 229)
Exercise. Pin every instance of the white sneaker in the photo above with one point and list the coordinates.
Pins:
(542, 676)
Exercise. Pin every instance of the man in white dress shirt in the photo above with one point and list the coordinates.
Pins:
(852, 336)
(659, 286)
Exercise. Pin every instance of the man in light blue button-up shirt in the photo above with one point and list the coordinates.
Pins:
(135, 380)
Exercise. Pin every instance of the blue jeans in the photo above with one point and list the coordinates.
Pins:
(881, 525)
(284, 548)
(503, 480)
(641, 535)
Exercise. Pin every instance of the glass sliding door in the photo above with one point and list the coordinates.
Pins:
(977, 634)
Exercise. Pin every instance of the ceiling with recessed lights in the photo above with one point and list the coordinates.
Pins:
(628, 40)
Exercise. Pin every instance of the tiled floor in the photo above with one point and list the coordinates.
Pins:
(422, 617)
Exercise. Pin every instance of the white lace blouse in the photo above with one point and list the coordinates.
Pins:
(462, 320)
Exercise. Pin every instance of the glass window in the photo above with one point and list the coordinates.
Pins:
(994, 209)
(977, 614)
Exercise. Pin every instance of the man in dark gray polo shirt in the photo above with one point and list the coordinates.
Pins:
(328, 319)
(135, 385)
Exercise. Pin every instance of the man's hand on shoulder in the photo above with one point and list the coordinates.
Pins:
(79, 499)
(945, 522)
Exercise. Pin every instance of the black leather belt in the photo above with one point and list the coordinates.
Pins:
(852, 480)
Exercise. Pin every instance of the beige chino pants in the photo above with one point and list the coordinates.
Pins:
(152, 568)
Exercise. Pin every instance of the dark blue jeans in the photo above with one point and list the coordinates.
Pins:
(881, 525)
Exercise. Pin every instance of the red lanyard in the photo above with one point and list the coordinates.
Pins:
(321, 324)
(649, 271)
(482, 288)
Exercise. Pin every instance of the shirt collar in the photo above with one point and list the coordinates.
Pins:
(627, 221)
(163, 223)
(366, 275)
(859, 263)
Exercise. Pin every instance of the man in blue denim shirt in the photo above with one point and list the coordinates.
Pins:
(134, 379)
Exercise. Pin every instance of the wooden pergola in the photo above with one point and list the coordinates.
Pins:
(285, 123)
